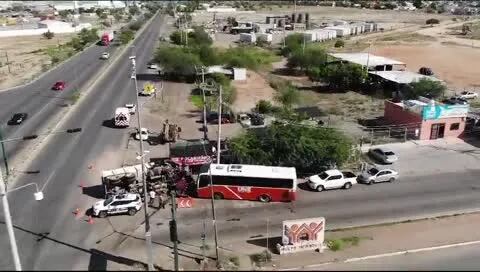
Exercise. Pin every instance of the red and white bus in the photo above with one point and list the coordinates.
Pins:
(248, 182)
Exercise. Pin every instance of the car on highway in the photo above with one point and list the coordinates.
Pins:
(105, 55)
(374, 175)
(468, 95)
(144, 133)
(383, 155)
(122, 203)
(59, 86)
(131, 108)
(17, 118)
(332, 179)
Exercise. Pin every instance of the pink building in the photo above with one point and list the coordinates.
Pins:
(434, 120)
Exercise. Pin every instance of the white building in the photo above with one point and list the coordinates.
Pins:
(55, 26)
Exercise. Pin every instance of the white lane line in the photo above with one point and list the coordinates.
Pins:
(385, 255)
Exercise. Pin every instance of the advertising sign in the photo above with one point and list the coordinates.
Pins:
(432, 112)
(302, 234)
(197, 160)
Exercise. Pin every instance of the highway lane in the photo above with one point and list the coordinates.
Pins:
(452, 259)
(406, 198)
(40, 102)
(63, 162)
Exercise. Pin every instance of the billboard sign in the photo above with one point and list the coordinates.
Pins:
(302, 234)
(432, 112)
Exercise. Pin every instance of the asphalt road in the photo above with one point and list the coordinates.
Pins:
(64, 164)
(406, 198)
(451, 259)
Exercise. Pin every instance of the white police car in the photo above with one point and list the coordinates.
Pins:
(124, 203)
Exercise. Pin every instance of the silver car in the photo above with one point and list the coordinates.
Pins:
(374, 175)
(383, 155)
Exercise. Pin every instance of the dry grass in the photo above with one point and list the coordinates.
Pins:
(406, 37)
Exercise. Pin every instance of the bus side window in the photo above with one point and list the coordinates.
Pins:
(204, 181)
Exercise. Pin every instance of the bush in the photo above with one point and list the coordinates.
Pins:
(107, 23)
(135, 26)
(176, 60)
(307, 149)
(340, 76)
(49, 35)
(339, 43)
(335, 245)
(264, 107)
(432, 21)
(177, 38)
(261, 258)
(293, 42)
(247, 57)
(426, 87)
(126, 36)
(312, 56)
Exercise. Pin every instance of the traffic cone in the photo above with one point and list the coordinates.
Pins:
(90, 220)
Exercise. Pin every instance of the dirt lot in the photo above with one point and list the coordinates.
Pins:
(26, 57)
(249, 92)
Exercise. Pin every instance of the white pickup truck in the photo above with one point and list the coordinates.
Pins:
(332, 179)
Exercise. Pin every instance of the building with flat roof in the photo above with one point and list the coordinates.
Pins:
(434, 120)
(373, 62)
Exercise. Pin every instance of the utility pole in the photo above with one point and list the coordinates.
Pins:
(148, 234)
(214, 218)
(219, 123)
(205, 128)
(173, 226)
(8, 62)
(203, 236)
(4, 154)
(8, 223)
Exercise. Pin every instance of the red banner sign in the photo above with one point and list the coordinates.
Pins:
(199, 160)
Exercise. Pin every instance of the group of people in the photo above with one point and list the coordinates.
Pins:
(162, 198)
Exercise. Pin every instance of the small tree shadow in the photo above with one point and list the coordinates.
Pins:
(262, 242)
(304, 186)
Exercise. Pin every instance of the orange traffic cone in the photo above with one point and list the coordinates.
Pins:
(90, 220)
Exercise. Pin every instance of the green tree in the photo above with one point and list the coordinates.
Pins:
(133, 10)
(135, 26)
(199, 37)
(312, 56)
(76, 43)
(264, 107)
(293, 42)
(250, 57)
(418, 4)
(390, 5)
(49, 35)
(339, 43)
(118, 17)
(126, 36)
(208, 55)
(309, 150)
(177, 37)
(64, 14)
(426, 87)
(432, 21)
(103, 16)
(344, 76)
(288, 96)
(177, 60)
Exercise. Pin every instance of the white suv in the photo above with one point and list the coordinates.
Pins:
(124, 203)
(332, 179)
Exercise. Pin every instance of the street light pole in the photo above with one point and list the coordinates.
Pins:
(148, 234)
(219, 123)
(8, 223)
(205, 129)
(4, 154)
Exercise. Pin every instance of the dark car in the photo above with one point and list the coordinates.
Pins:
(226, 118)
(17, 118)
(425, 71)
(59, 86)
(455, 101)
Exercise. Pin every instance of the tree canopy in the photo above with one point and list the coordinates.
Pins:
(426, 87)
(307, 149)
(313, 56)
(342, 76)
(177, 60)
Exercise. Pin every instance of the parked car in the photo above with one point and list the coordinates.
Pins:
(468, 95)
(59, 86)
(144, 133)
(426, 71)
(374, 175)
(124, 203)
(131, 108)
(17, 118)
(152, 66)
(332, 179)
(105, 55)
(456, 100)
(213, 118)
(383, 155)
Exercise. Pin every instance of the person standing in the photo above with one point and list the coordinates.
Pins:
(152, 197)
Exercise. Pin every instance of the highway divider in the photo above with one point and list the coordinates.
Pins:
(24, 157)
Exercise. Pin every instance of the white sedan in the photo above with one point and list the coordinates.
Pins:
(468, 95)
(383, 155)
(144, 133)
(105, 55)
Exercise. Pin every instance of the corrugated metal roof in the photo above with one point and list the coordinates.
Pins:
(366, 58)
(402, 77)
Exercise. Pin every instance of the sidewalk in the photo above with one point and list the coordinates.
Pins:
(357, 242)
